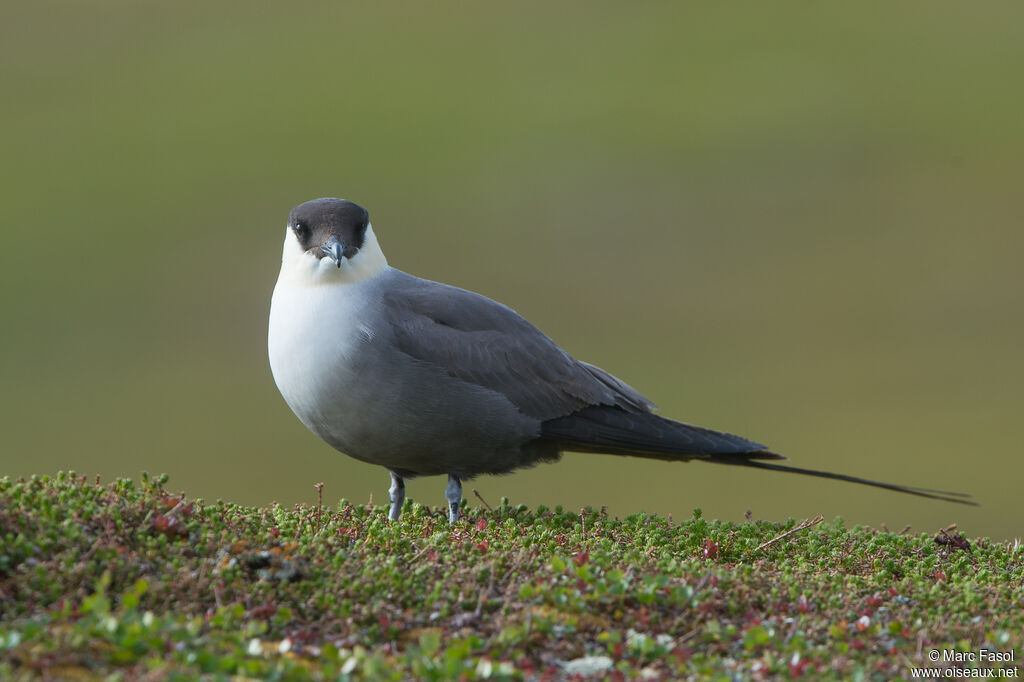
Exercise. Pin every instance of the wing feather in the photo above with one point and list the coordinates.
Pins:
(481, 341)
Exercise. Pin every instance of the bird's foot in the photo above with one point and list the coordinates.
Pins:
(453, 493)
(397, 493)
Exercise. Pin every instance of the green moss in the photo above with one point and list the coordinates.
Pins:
(127, 579)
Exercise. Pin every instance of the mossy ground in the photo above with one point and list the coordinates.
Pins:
(130, 581)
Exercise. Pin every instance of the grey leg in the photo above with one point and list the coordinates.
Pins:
(453, 493)
(397, 492)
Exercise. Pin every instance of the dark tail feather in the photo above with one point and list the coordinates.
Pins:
(612, 430)
(945, 495)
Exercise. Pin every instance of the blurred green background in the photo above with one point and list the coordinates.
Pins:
(802, 223)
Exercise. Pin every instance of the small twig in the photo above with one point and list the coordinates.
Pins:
(414, 561)
(583, 522)
(484, 594)
(803, 526)
(689, 635)
(319, 502)
(905, 529)
(480, 497)
(173, 512)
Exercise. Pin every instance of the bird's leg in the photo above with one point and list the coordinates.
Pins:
(397, 492)
(453, 493)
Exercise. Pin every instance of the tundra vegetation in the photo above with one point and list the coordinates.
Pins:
(131, 581)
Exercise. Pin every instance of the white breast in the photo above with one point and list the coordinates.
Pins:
(314, 332)
(317, 324)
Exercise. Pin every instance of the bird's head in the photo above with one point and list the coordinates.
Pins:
(331, 240)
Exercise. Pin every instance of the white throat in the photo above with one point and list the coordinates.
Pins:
(300, 268)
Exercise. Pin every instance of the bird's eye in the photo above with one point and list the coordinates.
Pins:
(300, 230)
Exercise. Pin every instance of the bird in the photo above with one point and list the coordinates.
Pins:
(428, 379)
